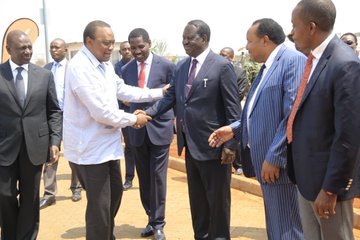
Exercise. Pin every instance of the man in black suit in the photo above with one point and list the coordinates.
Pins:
(30, 135)
(58, 52)
(324, 125)
(243, 87)
(205, 97)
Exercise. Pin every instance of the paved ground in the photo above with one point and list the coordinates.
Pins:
(65, 220)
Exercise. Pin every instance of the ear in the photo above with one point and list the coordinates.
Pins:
(265, 39)
(312, 27)
(149, 43)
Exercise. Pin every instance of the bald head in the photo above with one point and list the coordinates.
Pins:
(228, 53)
(19, 47)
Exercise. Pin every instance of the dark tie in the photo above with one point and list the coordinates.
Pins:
(300, 93)
(142, 75)
(20, 86)
(191, 77)
(244, 130)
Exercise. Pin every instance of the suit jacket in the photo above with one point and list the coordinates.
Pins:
(269, 114)
(160, 129)
(242, 82)
(326, 127)
(206, 108)
(39, 122)
(118, 67)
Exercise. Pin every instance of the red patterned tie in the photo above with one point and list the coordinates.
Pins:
(191, 77)
(142, 75)
(300, 93)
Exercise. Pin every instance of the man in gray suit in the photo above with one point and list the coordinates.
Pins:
(262, 129)
(30, 135)
(58, 52)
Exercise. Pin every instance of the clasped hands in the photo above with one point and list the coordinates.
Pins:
(141, 119)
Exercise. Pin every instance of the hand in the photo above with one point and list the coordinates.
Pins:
(324, 205)
(138, 111)
(54, 155)
(221, 135)
(227, 156)
(269, 172)
(165, 88)
(141, 120)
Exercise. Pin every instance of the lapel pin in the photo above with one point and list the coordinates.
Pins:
(205, 80)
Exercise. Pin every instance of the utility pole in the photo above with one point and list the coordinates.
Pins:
(44, 20)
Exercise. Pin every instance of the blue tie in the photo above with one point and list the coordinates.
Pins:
(244, 130)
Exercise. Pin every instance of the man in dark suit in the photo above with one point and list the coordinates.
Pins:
(152, 142)
(205, 97)
(243, 87)
(324, 125)
(126, 56)
(30, 135)
(58, 52)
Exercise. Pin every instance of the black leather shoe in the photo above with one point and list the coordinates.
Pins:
(47, 201)
(148, 231)
(76, 196)
(159, 235)
(127, 185)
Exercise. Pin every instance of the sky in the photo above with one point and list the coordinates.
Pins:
(163, 19)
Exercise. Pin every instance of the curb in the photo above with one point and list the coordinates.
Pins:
(249, 185)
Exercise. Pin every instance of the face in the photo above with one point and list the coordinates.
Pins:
(139, 48)
(193, 44)
(125, 51)
(255, 44)
(301, 32)
(20, 49)
(58, 50)
(102, 44)
(350, 41)
(226, 53)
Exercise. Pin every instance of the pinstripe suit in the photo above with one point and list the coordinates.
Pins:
(267, 139)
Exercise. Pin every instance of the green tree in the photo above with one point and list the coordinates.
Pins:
(159, 47)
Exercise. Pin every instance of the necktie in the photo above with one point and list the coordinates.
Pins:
(244, 129)
(142, 75)
(54, 67)
(300, 93)
(20, 86)
(191, 77)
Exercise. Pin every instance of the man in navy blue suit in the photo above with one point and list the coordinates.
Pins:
(151, 143)
(262, 129)
(204, 94)
(324, 127)
(126, 56)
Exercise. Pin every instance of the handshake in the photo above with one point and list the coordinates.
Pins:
(141, 119)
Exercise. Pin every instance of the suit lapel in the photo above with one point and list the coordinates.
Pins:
(317, 71)
(151, 80)
(200, 76)
(267, 76)
(9, 82)
(31, 84)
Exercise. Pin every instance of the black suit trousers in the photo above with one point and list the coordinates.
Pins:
(19, 216)
(209, 193)
(103, 186)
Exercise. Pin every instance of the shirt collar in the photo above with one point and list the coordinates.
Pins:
(14, 66)
(319, 50)
(147, 61)
(202, 56)
(91, 57)
(272, 56)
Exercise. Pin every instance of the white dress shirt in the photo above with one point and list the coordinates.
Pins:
(147, 63)
(24, 73)
(92, 118)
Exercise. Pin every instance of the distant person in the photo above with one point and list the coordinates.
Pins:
(262, 128)
(58, 52)
(92, 126)
(151, 143)
(324, 125)
(243, 86)
(30, 135)
(204, 95)
(351, 40)
(126, 56)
